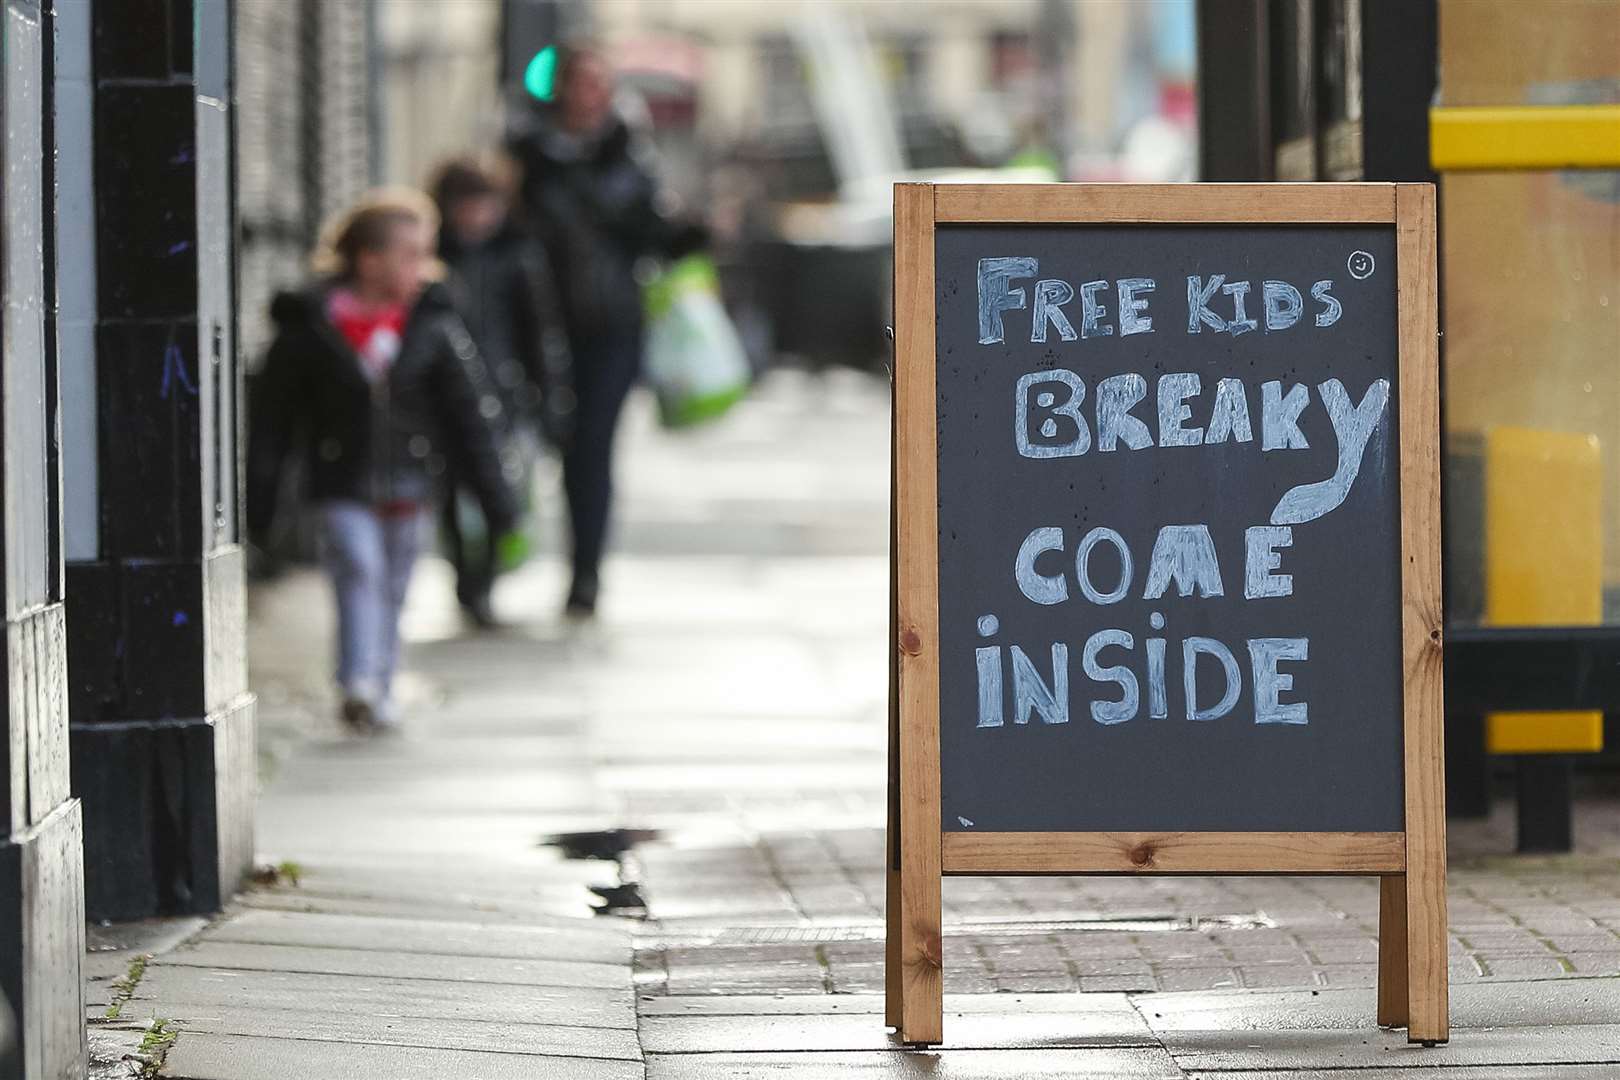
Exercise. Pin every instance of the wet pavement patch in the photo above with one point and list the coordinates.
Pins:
(623, 899)
(609, 845)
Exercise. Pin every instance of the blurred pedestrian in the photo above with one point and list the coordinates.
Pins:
(502, 285)
(596, 206)
(370, 376)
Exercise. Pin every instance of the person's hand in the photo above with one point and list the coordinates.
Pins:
(512, 549)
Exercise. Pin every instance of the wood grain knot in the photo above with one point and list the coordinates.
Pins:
(910, 642)
(1434, 636)
(932, 951)
(1142, 855)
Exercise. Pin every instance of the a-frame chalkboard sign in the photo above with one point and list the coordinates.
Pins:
(1166, 590)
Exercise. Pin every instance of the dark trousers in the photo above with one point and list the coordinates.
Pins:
(604, 370)
(473, 556)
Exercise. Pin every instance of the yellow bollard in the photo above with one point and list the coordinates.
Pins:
(1543, 564)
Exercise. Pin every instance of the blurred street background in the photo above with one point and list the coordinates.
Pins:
(783, 124)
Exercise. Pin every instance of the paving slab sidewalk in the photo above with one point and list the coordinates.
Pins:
(411, 923)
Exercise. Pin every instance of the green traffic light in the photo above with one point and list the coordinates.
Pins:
(540, 77)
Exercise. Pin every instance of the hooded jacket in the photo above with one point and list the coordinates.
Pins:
(374, 442)
(596, 207)
(503, 289)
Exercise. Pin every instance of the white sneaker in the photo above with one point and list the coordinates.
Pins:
(385, 723)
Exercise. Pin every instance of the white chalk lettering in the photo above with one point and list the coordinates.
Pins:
(1111, 712)
(1241, 322)
(1191, 649)
(1037, 444)
(1260, 558)
(1158, 705)
(1116, 395)
(1082, 566)
(1199, 294)
(1279, 416)
(1354, 426)
(994, 295)
(1030, 692)
(1092, 311)
(1050, 296)
(1039, 587)
(1264, 653)
(987, 661)
(1186, 555)
(1230, 416)
(1331, 308)
(1133, 307)
(1174, 390)
(1283, 303)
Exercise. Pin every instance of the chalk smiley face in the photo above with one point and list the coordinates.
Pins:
(1360, 264)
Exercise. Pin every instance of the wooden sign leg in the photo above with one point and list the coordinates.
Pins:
(894, 986)
(922, 999)
(1392, 995)
(917, 960)
(1427, 972)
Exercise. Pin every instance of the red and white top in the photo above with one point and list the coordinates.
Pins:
(375, 332)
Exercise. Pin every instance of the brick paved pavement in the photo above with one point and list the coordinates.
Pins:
(803, 914)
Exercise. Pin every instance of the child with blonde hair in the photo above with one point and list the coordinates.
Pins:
(374, 380)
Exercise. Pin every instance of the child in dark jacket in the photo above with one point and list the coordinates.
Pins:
(373, 376)
(501, 282)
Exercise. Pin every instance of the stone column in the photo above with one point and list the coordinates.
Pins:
(162, 721)
(41, 872)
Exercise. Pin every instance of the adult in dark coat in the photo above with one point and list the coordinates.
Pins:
(595, 206)
(502, 284)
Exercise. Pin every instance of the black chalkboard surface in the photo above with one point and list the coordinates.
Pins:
(1156, 444)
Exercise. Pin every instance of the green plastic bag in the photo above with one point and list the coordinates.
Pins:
(520, 451)
(695, 362)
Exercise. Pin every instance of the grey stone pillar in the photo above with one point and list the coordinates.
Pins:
(41, 868)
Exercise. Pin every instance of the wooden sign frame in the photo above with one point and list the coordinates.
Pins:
(1411, 864)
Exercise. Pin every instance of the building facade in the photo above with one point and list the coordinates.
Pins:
(1510, 113)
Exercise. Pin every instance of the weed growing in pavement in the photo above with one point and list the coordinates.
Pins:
(155, 1044)
(124, 988)
(285, 872)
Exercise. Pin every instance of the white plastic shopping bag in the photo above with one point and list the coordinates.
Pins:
(695, 361)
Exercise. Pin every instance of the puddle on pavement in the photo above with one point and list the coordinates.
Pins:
(623, 899)
(598, 843)
(609, 845)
